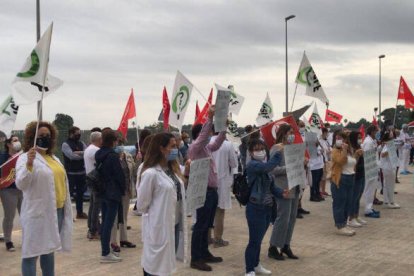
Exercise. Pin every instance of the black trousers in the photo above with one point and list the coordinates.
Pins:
(77, 182)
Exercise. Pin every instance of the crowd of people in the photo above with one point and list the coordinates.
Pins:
(157, 175)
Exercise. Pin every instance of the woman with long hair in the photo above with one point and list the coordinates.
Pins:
(342, 182)
(160, 199)
(355, 140)
(46, 213)
(286, 207)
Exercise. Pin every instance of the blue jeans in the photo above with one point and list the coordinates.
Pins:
(356, 196)
(109, 212)
(205, 218)
(258, 220)
(47, 261)
(342, 199)
(316, 182)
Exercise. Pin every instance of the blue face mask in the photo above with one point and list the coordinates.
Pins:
(173, 155)
(119, 149)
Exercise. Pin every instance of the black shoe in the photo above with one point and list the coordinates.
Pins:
(321, 198)
(314, 199)
(127, 244)
(200, 265)
(397, 181)
(299, 216)
(10, 247)
(286, 250)
(303, 211)
(274, 254)
(212, 259)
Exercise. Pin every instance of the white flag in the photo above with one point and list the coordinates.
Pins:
(306, 76)
(315, 121)
(8, 116)
(266, 112)
(180, 100)
(236, 102)
(28, 83)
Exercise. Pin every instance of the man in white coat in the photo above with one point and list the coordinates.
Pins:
(405, 150)
(225, 159)
(370, 185)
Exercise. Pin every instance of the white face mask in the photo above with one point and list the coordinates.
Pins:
(338, 143)
(17, 146)
(290, 139)
(359, 141)
(259, 155)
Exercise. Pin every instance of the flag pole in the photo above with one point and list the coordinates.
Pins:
(39, 103)
(294, 96)
(137, 128)
(395, 113)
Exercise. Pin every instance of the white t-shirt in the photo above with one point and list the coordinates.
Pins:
(89, 157)
(385, 162)
(349, 167)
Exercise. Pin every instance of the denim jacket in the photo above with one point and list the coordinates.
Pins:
(259, 180)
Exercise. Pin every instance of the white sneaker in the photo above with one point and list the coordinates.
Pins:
(251, 273)
(350, 229)
(261, 270)
(136, 213)
(354, 223)
(393, 206)
(110, 258)
(115, 253)
(345, 231)
(361, 221)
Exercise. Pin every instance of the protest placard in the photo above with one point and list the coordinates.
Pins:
(311, 139)
(392, 153)
(370, 164)
(197, 183)
(294, 161)
(221, 108)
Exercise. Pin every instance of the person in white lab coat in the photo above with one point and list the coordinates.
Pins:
(160, 199)
(405, 150)
(46, 213)
(226, 161)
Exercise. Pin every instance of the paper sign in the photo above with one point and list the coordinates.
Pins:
(392, 153)
(370, 164)
(197, 183)
(294, 161)
(221, 109)
(311, 140)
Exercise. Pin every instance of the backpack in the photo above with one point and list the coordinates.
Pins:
(94, 179)
(241, 189)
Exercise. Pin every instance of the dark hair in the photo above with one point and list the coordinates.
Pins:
(154, 155)
(108, 138)
(248, 128)
(371, 129)
(324, 130)
(144, 134)
(8, 141)
(96, 129)
(145, 145)
(327, 125)
(195, 131)
(281, 132)
(386, 136)
(254, 142)
(353, 140)
(30, 132)
(72, 130)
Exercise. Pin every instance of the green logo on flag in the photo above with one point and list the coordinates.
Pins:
(181, 99)
(303, 75)
(34, 68)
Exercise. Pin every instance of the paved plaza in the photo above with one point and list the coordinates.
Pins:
(384, 247)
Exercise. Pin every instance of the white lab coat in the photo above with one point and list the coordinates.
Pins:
(225, 160)
(38, 212)
(157, 201)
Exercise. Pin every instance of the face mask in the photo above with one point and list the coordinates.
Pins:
(44, 142)
(259, 155)
(76, 137)
(378, 136)
(359, 141)
(16, 146)
(181, 144)
(173, 155)
(291, 138)
(338, 143)
(119, 149)
(187, 140)
(209, 138)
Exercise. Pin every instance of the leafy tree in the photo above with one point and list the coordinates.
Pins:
(403, 116)
(63, 122)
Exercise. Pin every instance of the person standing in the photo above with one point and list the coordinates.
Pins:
(95, 201)
(46, 213)
(72, 151)
(326, 149)
(114, 182)
(370, 185)
(225, 160)
(316, 165)
(201, 148)
(160, 194)
(405, 150)
(287, 208)
(11, 197)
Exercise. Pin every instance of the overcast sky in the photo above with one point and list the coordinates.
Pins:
(103, 48)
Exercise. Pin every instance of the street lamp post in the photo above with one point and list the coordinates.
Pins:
(379, 106)
(286, 56)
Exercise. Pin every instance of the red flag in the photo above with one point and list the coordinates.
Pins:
(129, 113)
(197, 111)
(362, 131)
(269, 131)
(331, 116)
(203, 116)
(404, 93)
(374, 121)
(8, 172)
(165, 108)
